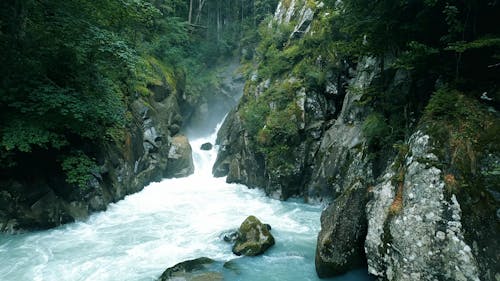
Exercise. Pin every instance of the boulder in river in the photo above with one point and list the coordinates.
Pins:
(340, 246)
(206, 146)
(180, 159)
(254, 238)
(200, 269)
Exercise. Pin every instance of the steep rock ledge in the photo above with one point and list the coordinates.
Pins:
(313, 113)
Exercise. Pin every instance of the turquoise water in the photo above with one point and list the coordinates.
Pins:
(139, 237)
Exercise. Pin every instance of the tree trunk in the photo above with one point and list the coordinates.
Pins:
(200, 8)
(190, 16)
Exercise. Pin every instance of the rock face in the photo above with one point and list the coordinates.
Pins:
(235, 160)
(150, 149)
(200, 269)
(317, 112)
(424, 238)
(253, 239)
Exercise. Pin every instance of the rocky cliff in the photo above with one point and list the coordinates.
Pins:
(412, 180)
(148, 149)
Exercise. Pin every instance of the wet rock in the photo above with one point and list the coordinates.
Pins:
(236, 159)
(340, 246)
(200, 269)
(254, 238)
(229, 236)
(180, 159)
(206, 146)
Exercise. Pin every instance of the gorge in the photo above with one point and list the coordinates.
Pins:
(166, 223)
(383, 116)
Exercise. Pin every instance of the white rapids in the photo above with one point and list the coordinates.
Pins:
(168, 222)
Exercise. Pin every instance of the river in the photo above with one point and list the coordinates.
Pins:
(168, 222)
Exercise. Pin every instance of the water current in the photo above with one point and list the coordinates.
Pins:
(174, 220)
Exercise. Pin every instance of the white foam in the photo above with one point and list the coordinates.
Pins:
(166, 223)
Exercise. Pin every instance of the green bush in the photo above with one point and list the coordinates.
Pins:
(281, 126)
(254, 114)
(446, 104)
(78, 168)
(375, 128)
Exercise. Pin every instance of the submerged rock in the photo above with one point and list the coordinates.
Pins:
(254, 238)
(229, 236)
(206, 146)
(200, 269)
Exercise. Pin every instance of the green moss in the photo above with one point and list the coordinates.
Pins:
(154, 72)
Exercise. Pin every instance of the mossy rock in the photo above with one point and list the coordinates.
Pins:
(200, 269)
(254, 238)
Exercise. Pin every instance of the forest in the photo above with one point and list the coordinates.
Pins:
(70, 69)
(367, 130)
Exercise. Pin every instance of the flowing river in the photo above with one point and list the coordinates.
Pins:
(168, 222)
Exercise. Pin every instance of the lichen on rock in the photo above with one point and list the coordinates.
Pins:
(425, 240)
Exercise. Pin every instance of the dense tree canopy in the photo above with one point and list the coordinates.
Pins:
(68, 68)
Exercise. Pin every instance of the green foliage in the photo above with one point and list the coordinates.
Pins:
(78, 168)
(375, 128)
(281, 127)
(23, 135)
(312, 75)
(275, 58)
(446, 104)
(485, 42)
(273, 119)
(254, 115)
(66, 73)
(416, 54)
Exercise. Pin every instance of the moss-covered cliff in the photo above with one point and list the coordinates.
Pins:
(35, 194)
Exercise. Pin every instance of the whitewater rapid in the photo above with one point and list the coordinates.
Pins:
(168, 222)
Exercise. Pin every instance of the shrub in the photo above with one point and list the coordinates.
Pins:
(78, 168)
(375, 128)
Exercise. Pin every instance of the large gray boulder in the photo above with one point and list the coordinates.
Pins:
(340, 246)
(180, 159)
(254, 238)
